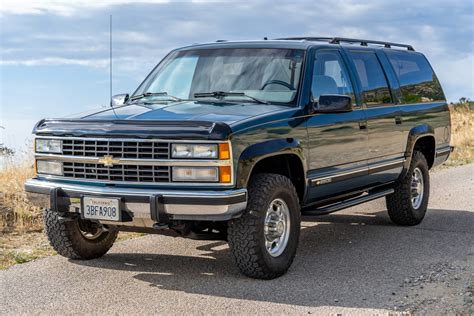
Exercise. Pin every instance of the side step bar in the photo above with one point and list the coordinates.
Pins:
(347, 203)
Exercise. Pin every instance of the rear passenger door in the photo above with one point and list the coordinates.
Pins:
(386, 144)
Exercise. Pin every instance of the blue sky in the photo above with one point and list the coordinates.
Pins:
(54, 53)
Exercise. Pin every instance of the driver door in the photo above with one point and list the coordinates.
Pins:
(338, 142)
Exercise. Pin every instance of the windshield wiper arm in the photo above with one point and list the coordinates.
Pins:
(223, 94)
(155, 94)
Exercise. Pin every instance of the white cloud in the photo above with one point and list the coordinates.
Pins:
(131, 37)
(76, 32)
(55, 61)
(456, 76)
(61, 7)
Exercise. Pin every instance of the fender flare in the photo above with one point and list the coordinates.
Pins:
(257, 152)
(415, 134)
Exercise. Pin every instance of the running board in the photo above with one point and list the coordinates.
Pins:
(347, 203)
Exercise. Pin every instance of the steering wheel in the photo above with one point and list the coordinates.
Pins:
(280, 82)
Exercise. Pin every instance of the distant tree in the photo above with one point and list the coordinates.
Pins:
(464, 100)
(5, 151)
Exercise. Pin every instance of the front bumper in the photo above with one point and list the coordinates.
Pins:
(144, 207)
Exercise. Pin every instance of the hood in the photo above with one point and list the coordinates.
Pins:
(189, 119)
(224, 112)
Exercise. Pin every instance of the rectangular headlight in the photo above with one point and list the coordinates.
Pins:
(209, 151)
(49, 167)
(196, 174)
(48, 146)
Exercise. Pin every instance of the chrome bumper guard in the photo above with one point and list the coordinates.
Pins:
(144, 207)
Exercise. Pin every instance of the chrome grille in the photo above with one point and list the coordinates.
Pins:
(124, 173)
(116, 148)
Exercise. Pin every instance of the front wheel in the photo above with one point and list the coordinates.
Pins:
(263, 241)
(76, 238)
(408, 204)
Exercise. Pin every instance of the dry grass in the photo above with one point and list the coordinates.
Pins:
(16, 213)
(20, 247)
(21, 227)
(21, 237)
(462, 134)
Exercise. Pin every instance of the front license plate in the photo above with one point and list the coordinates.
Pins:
(101, 208)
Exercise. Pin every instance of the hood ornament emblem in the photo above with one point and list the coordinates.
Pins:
(108, 161)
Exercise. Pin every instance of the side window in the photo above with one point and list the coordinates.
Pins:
(375, 89)
(418, 82)
(330, 76)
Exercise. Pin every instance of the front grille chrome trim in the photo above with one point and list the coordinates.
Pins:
(89, 165)
(140, 162)
(145, 140)
(135, 183)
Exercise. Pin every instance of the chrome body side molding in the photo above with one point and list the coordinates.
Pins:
(357, 172)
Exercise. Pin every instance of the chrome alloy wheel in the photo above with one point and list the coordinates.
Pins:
(417, 188)
(277, 227)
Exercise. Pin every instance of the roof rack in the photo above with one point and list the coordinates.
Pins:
(338, 40)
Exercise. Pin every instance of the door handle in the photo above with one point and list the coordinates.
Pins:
(362, 125)
(398, 120)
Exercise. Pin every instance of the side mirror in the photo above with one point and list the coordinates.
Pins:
(119, 99)
(333, 103)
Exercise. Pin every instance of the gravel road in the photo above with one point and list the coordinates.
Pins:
(354, 261)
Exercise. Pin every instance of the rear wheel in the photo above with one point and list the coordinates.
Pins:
(263, 241)
(76, 238)
(408, 204)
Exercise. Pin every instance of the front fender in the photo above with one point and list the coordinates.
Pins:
(256, 152)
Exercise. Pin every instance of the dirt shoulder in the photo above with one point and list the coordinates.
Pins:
(20, 247)
(442, 288)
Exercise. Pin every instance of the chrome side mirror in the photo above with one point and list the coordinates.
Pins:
(119, 99)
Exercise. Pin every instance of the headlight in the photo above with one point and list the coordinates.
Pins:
(196, 174)
(209, 151)
(49, 167)
(48, 146)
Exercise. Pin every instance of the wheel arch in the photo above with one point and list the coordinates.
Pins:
(281, 156)
(422, 138)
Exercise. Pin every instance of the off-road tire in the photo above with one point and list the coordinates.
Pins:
(66, 238)
(246, 234)
(399, 205)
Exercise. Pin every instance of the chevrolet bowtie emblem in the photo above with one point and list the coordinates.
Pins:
(108, 161)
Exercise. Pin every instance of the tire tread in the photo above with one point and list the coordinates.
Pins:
(243, 232)
(398, 203)
(64, 237)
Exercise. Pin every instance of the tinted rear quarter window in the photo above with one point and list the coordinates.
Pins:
(374, 85)
(418, 82)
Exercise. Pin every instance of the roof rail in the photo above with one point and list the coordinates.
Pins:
(338, 40)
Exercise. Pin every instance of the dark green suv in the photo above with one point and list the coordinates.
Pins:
(236, 140)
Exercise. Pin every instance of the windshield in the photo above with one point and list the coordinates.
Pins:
(245, 75)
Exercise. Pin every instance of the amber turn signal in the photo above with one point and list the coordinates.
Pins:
(225, 174)
(224, 151)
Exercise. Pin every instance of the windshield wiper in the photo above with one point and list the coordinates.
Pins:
(155, 94)
(223, 94)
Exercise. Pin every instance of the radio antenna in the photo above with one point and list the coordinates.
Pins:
(110, 60)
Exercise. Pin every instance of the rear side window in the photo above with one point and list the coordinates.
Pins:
(374, 85)
(418, 82)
